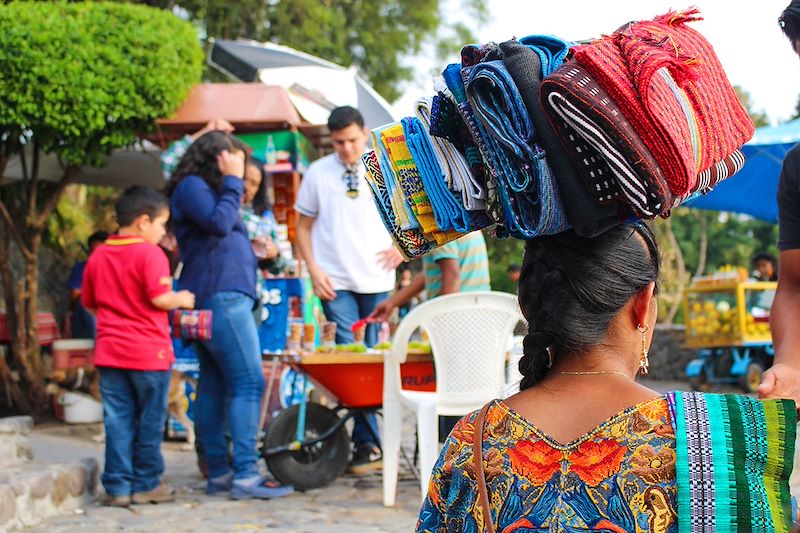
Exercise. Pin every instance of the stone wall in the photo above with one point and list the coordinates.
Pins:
(668, 359)
(30, 492)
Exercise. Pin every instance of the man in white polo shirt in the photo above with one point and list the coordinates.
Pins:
(346, 247)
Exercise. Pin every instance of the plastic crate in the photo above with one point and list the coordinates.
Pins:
(72, 353)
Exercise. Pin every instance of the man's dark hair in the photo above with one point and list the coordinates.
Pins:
(765, 256)
(97, 237)
(341, 117)
(513, 267)
(137, 201)
(790, 22)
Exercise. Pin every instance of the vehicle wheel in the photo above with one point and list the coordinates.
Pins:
(751, 379)
(700, 382)
(312, 466)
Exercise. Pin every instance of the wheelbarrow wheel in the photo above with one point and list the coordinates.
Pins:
(312, 466)
(751, 379)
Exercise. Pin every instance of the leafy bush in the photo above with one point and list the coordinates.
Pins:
(80, 79)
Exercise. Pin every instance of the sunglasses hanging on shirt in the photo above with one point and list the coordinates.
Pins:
(351, 179)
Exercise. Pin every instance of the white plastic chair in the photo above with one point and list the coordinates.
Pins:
(469, 335)
(513, 375)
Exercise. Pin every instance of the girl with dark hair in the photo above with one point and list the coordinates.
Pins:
(219, 266)
(258, 219)
(583, 446)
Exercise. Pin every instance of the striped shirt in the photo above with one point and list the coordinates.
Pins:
(473, 263)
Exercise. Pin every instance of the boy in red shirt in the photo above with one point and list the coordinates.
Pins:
(127, 285)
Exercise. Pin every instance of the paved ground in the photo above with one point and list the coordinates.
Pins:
(350, 504)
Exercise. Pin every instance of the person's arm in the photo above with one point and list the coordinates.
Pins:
(154, 268)
(173, 154)
(323, 286)
(195, 199)
(782, 380)
(384, 310)
(87, 289)
(74, 283)
(451, 276)
(176, 150)
(174, 300)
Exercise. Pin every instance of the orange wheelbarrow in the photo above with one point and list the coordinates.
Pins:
(307, 444)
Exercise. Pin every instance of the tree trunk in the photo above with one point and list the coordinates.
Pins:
(681, 265)
(703, 253)
(23, 369)
(11, 379)
(29, 358)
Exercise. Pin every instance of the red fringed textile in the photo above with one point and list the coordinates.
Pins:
(669, 83)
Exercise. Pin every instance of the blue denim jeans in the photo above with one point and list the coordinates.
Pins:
(134, 413)
(231, 386)
(347, 308)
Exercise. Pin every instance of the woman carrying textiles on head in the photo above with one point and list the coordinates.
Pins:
(582, 446)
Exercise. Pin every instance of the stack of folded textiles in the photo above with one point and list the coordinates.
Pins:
(535, 136)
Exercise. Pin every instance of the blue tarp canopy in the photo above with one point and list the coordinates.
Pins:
(753, 191)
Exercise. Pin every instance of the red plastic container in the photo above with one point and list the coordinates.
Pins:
(72, 353)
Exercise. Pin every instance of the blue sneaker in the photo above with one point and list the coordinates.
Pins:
(263, 489)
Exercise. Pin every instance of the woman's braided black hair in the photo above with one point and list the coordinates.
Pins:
(571, 288)
(790, 22)
(200, 159)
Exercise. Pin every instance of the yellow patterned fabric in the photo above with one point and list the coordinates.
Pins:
(619, 478)
(407, 172)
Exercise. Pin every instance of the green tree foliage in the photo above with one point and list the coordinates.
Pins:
(759, 117)
(502, 253)
(79, 79)
(377, 37)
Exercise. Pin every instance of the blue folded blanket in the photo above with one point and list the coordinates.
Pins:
(525, 184)
(447, 210)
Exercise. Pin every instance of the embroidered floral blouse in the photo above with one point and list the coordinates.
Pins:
(619, 478)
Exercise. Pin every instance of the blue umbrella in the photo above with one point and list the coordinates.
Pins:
(753, 191)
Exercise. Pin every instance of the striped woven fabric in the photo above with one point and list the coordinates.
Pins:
(411, 243)
(406, 219)
(589, 112)
(448, 210)
(457, 173)
(670, 85)
(525, 182)
(734, 455)
(404, 166)
(475, 150)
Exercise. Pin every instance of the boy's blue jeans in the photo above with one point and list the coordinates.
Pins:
(231, 386)
(134, 413)
(347, 308)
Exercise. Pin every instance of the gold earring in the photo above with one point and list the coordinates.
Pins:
(644, 362)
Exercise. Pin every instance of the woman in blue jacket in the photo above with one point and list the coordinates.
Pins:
(219, 266)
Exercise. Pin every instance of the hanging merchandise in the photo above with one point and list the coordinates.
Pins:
(539, 135)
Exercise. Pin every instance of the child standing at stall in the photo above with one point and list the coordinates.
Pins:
(128, 286)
